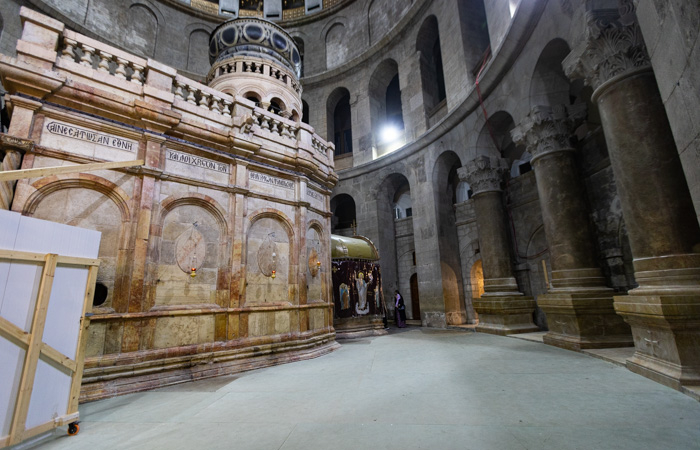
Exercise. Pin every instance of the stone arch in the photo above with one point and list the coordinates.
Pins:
(316, 249)
(394, 276)
(265, 251)
(495, 139)
(334, 37)
(143, 25)
(191, 232)
(344, 214)
(94, 203)
(548, 85)
(445, 181)
(339, 120)
(197, 58)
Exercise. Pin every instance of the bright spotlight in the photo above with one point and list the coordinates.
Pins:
(389, 133)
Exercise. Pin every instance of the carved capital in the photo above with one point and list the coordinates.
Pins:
(613, 46)
(483, 173)
(548, 129)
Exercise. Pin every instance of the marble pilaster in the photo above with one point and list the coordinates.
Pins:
(502, 308)
(664, 311)
(579, 306)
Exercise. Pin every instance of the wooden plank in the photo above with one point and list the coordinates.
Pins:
(22, 256)
(10, 175)
(14, 333)
(31, 358)
(58, 357)
(82, 340)
(77, 261)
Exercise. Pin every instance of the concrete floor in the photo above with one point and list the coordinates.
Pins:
(413, 389)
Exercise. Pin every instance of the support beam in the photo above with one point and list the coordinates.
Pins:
(46, 171)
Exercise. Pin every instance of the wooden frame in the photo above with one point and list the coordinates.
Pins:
(32, 343)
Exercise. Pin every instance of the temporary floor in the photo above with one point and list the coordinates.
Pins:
(412, 389)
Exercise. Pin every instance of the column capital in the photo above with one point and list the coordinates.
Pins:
(548, 129)
(483, 173)
(613, 46)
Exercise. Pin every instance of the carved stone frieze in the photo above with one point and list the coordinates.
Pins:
(613, 45)
(548, 129)
(483, 173)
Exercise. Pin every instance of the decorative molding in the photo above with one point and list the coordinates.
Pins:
(483, 174)
(548, 129)
(613, 46)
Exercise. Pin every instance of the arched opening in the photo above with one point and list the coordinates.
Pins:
(431, 70)
(415, 297)
(475, 34)
(340, 121)
(277, 106)
(344, 215)
(396, 243)
(477, 279)
(446, 180)
(386, 111)
(305, 112)
(253, 97)
(495, 140)
(549, 85)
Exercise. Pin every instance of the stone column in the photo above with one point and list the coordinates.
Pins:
(12, 149)
(502, 308)
(579, 306)
(664, 311)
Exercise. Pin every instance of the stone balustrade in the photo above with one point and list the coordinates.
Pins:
(203, 96)
(269, 121)
(254, 66)
(96, 55)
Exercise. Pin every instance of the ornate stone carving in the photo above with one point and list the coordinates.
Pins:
(483, 173)
(548, 129)
(613, 46)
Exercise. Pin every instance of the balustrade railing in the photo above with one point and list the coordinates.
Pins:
(90, 53)
(259, 67)
(203, 96)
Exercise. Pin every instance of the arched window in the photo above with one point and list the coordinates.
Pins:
(432, 74)
(394, 110)
(475, 33)
(305, 112)
(276, 105)
(386, 111)
(344, 215)
(339, 120)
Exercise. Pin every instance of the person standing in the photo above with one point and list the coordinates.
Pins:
(400, 311)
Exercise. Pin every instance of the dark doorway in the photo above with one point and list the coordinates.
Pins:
(415, 302)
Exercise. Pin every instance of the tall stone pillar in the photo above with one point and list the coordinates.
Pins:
(579, 306)
(664, 311)
(502, 308)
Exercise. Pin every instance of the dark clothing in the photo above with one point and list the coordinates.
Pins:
(400, 312)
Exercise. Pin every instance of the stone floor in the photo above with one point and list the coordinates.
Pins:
(412, 389)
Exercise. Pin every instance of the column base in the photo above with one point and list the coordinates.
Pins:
(504, 315)
(583, 319)
(666, 330)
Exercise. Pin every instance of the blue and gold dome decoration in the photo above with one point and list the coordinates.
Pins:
(254, 37)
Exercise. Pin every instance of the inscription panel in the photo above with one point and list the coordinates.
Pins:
(194, 166)
(87, 142)
(315, 198)
(278, 187)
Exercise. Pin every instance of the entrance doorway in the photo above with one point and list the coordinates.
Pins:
(415, 302)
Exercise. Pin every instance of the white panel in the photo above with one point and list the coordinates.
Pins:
(9, 223)
(12, 358)
(272, 9)
(229, 7)
(314, 6)
(43, 236)
(50, 395)
(65, 308)
(21, 288)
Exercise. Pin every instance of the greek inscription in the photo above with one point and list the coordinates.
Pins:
(196, 161)
(313, 194)
(261, 177)
(90, 136)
